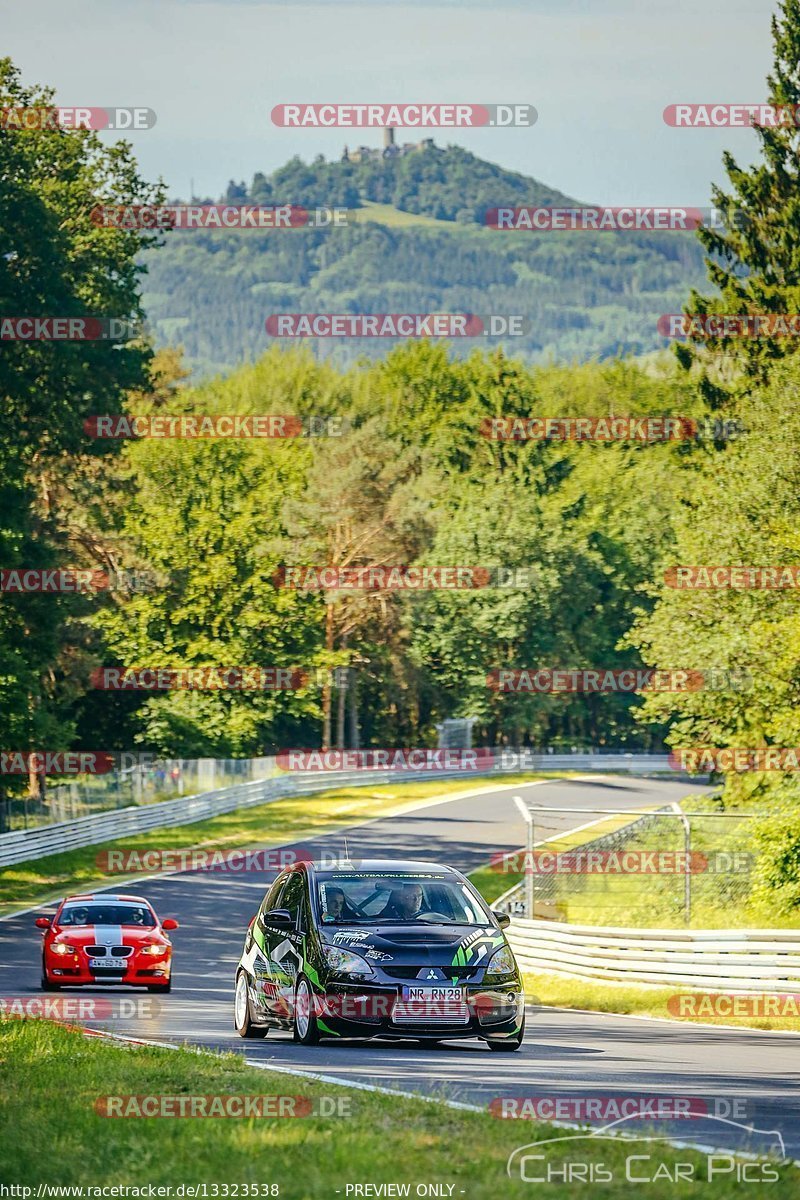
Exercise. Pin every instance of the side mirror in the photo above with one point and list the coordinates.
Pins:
(168, 924)
(503, 919)
(280, 917)
(43, 922)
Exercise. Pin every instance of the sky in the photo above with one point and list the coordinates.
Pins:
(599, 73)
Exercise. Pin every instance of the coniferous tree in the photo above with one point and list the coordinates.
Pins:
(754, 259)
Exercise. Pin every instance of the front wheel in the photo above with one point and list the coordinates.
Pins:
(45, 983)
(160, 987)
(241, 1011)
(507, 1045)
(306, 1030)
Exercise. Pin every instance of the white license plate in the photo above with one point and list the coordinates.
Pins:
(119, 963)
(433, 995)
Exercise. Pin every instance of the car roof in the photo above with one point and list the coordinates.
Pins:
(103, 896)
(383, 866)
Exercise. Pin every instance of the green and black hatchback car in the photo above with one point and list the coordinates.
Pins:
(378, 949)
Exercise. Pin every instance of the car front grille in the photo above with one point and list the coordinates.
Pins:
(453, 1012)
(449, 973)
(109, 951)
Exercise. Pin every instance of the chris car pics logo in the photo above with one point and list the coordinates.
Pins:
(647, 1160)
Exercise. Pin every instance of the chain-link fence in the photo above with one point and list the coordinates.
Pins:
(143, 782)
(664, 869)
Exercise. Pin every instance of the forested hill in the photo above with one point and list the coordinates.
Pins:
(420, 246)
(450, 184)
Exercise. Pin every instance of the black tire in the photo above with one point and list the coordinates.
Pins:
(242, 1021)
(160, 987)
(45, 983)
(507, 1045)
(306, 1029)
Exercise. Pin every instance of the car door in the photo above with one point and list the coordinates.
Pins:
(261, 941)
(283, 944)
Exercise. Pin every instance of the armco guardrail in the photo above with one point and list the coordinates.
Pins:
(27, 844)
(742, 960)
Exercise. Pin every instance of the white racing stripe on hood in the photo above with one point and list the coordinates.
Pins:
(107, 935)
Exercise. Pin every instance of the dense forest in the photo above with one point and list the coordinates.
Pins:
(586, 295)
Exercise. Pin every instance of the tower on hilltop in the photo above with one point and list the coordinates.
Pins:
(388, 137)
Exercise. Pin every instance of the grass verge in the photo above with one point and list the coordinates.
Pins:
(383, 1139)
(288, 820)
(562, 992)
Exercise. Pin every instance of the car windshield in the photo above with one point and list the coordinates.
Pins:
(370, 898)
(107, 914)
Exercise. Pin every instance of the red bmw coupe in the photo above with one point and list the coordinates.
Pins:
(102, 939)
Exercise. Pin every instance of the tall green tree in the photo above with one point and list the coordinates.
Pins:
(754, 259)
(55, 261)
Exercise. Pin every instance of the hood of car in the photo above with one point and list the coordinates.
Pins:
(418, 943)
(106, 935)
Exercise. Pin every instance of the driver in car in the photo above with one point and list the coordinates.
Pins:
(336, 906)
(405, 904)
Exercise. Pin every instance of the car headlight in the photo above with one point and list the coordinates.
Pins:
(154, 949)
(501, 963)
(346, 962)
(62, 948)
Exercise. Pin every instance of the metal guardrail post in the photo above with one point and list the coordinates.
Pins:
(529, 861)
(687, 869)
